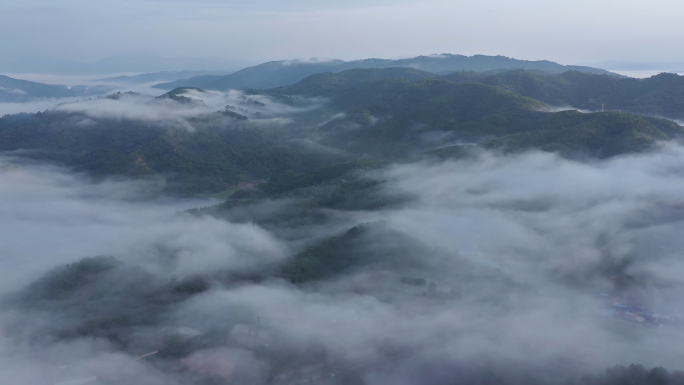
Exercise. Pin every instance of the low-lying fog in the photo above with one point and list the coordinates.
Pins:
(140, 102)
(538, 239)
(42, 104)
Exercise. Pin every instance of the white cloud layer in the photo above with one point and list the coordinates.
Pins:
(51, 218)
(536, 228)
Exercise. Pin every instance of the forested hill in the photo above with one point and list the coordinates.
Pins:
(281, 73)
(390, 114)
(330, 83)
(163, 76)
(215, 156)
(394, 114)
(660, 95)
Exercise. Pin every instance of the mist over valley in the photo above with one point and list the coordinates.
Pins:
(442, 219)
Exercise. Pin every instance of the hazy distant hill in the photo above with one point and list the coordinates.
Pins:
(164, 76)
(17, 91)
(280, 73)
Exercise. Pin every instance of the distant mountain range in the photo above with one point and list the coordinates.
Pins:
(275, 74)
(280, 73)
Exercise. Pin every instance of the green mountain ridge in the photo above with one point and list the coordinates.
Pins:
(377, 115)
(280, 73)
(472, 106)
(214, 157)
(600, 135)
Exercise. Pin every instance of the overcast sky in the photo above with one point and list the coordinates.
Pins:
(566, 31)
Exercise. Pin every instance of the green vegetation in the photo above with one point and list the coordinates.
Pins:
(599, 135)
(211, 159)
(310, 196)
(180, 91)
(177, 96)
(118, 95)
(101, 297)
(389, 114)
(62, 282)
(286, 183)
(223, 195)
(233, 114)
(392, 116)
(328, 83)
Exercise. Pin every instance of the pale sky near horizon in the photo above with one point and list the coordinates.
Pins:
(569, 32)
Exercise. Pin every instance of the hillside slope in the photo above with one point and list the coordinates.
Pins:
(215, 156)
(660, 95)
(599, 135)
